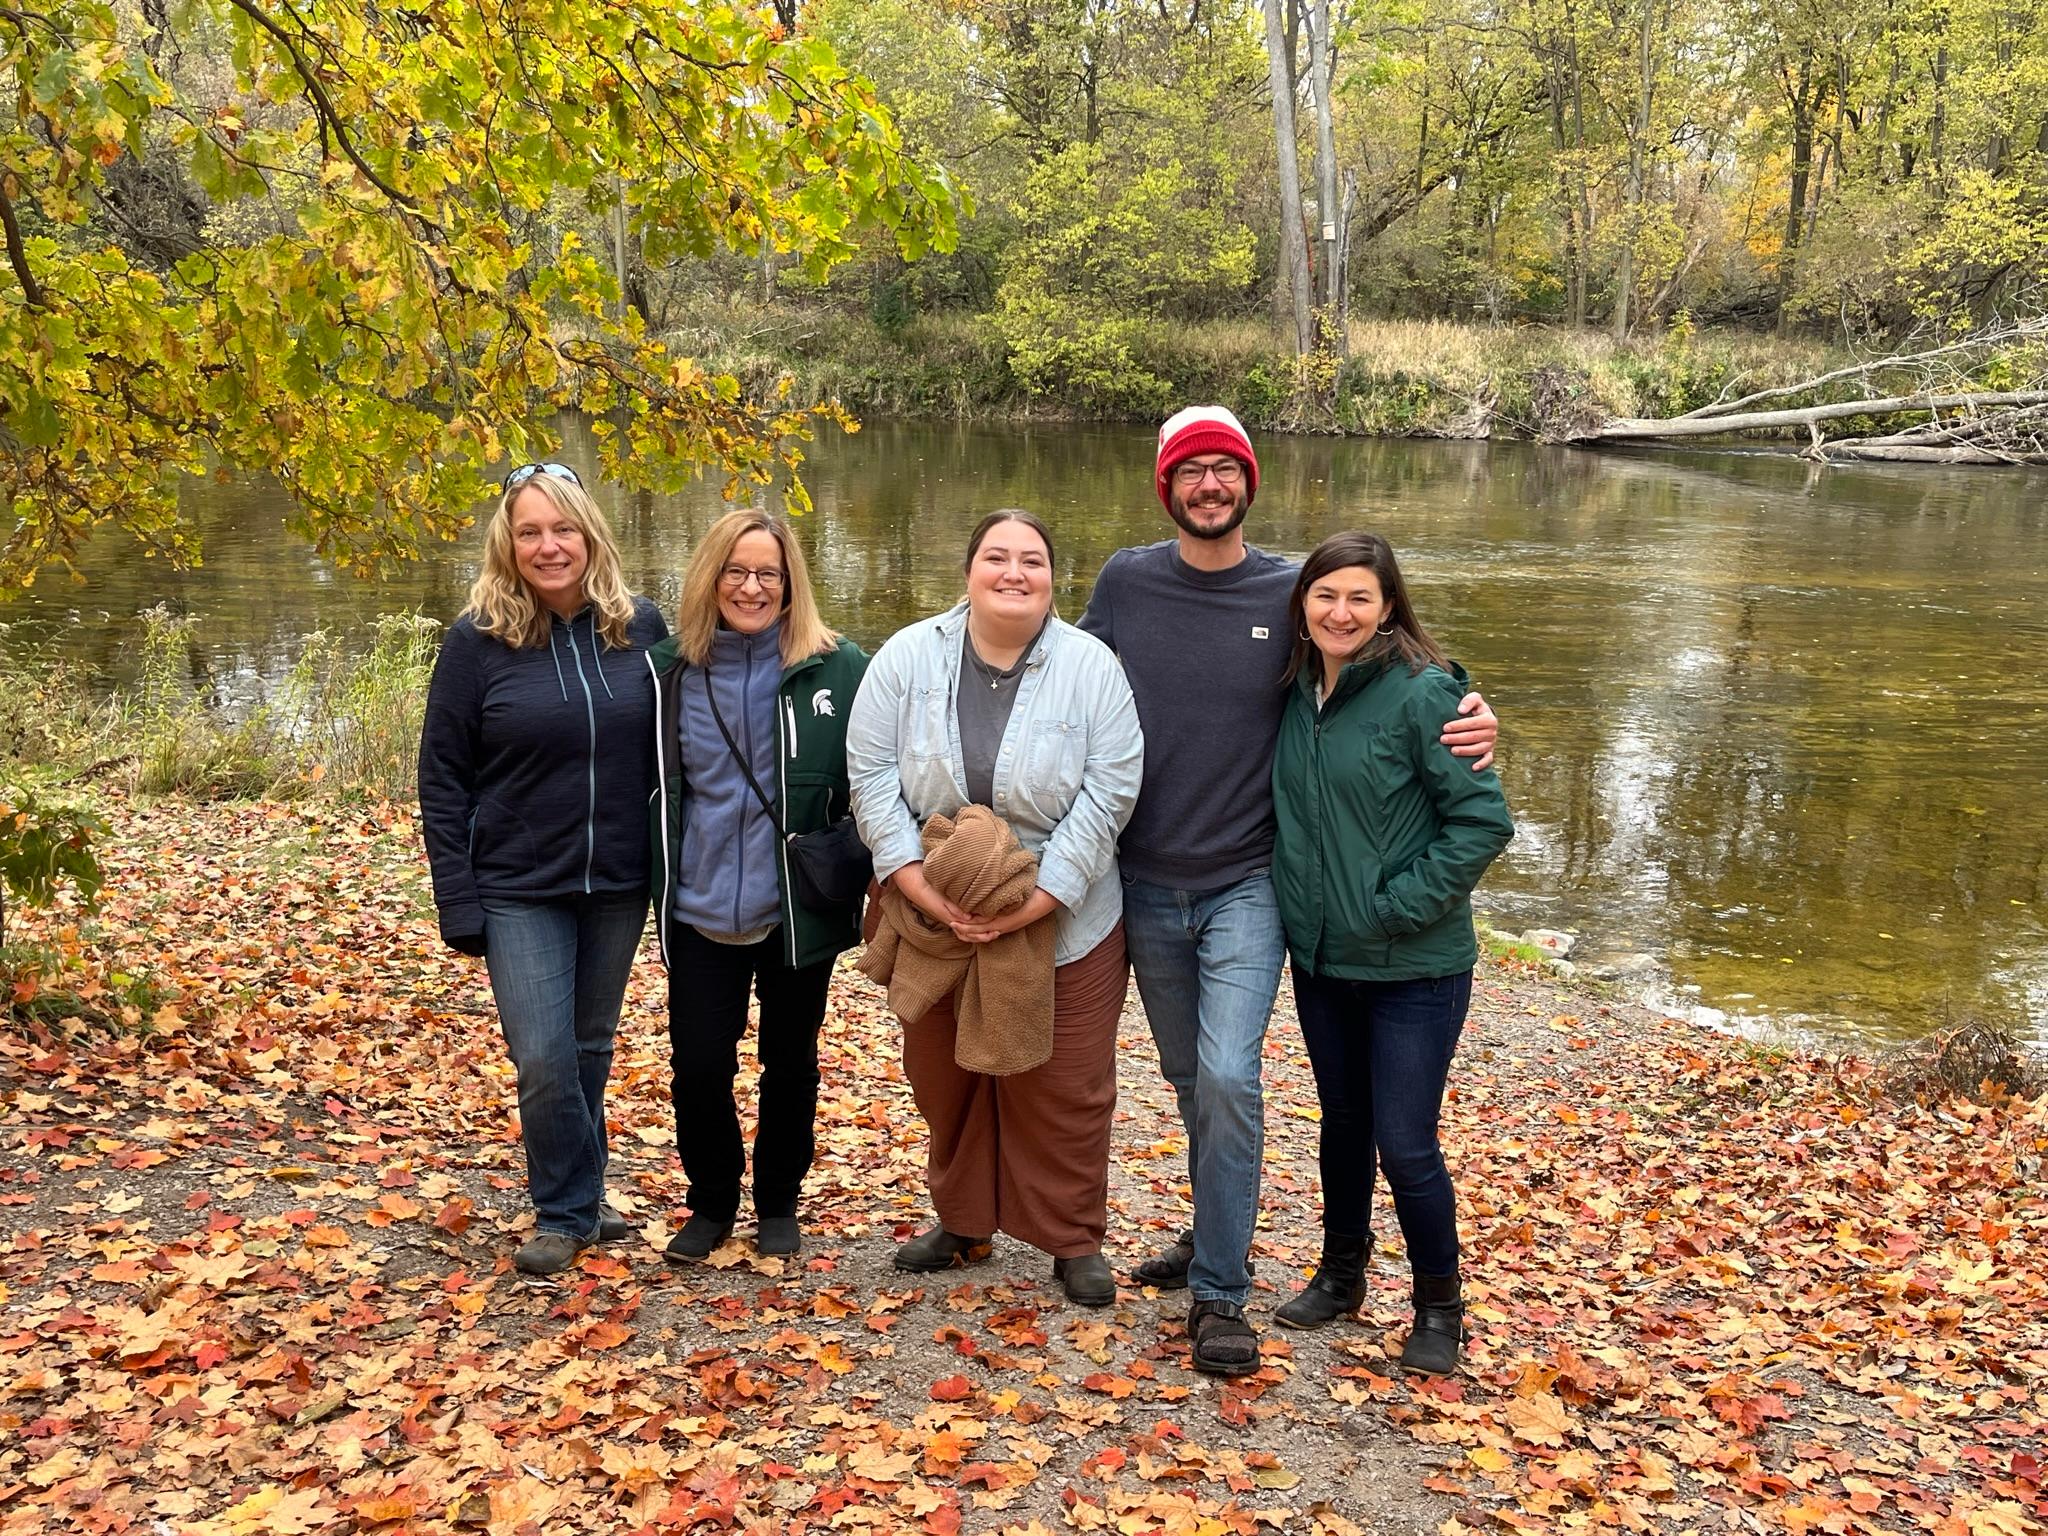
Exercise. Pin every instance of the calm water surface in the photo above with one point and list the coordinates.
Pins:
(1783, 729)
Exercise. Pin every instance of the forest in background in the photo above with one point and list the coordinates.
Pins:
(1851, 178)
(373, 253)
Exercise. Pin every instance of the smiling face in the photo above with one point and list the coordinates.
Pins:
(1207, 495)
(1342, 610)
(1009, 577)
(550, 551)
(753, 582)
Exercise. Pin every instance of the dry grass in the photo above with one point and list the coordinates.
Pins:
(1974, 1060)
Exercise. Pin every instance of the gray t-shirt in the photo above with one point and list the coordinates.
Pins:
(1204, 652)
(983, 701)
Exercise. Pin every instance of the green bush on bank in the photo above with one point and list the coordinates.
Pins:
(1401, 378)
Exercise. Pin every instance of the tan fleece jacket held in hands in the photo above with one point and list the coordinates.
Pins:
(1001, 990)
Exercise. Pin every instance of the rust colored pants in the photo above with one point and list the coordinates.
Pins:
(1028, 1154)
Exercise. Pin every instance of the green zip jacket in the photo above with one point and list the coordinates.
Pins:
(811, 792)
(1381, 833)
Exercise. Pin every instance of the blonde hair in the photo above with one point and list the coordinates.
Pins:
(499, 600)
(804, 632)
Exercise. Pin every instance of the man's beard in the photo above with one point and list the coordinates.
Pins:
(1177, 509)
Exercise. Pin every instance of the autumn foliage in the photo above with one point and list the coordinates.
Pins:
(254, 1275)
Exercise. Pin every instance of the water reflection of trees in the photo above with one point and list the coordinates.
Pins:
(1751, 711)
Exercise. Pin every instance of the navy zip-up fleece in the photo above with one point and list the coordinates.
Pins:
(536, 766)
(726, 882)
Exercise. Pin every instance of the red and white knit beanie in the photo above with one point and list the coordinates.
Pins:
(1204, 429)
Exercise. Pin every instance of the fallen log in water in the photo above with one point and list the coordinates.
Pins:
(1964, 425)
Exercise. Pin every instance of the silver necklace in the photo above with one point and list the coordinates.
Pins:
(996, 676)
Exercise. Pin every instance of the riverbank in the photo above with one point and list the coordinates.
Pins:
(257, 1277)
(1403, 378)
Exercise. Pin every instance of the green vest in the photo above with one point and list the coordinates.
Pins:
(812, 703)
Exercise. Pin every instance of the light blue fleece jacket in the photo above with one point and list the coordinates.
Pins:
(726, 880)
(1067, 773)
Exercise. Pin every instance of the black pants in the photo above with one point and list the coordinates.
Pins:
(1381, 1052)
(707, 1014)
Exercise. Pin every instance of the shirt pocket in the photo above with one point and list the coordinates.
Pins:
(927, 724)
(1054, 759)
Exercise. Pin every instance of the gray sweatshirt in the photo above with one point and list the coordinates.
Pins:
(726, 882)
(1204, 652)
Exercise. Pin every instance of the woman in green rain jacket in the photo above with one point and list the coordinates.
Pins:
(1381, 836)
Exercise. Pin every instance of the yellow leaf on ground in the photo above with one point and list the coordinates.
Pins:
(1540, 1420)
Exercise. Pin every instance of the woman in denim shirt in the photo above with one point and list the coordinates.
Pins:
(999, 702)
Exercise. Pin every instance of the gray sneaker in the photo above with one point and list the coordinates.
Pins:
(611, 1226)
(546, 1253)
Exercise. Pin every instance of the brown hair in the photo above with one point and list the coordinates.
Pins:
(1401, 632)
(499, 601)
(1007, 515)
(804, 631)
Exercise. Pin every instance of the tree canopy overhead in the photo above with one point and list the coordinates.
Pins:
(307, 237)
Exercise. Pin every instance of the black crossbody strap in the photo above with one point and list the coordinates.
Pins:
(711, 693)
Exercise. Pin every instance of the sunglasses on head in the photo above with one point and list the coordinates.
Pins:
(526, 472)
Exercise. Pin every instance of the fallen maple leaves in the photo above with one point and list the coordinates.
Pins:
(255, 1278)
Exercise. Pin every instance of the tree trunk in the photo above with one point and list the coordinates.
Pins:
(1638, 172)
(1329, 218)
(1798, 95)
(1293, 242)
(1626, 428)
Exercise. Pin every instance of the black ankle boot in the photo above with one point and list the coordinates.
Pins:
(1432, 1346)
(1337, 1288)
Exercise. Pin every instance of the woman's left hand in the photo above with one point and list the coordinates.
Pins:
(979, 930)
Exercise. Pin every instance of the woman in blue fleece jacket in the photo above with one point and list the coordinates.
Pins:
(536, 763)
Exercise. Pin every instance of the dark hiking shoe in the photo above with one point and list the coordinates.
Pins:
(700, 1235)
(1220, 1340)
(546, 1253)
(1433, 1343)
(938, 1249)
(1087, 1280)
(778, 1237)
(1337, 1288)
(1168, 1269)
(611, 1226)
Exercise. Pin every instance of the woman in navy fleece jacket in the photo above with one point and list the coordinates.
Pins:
(536, 763)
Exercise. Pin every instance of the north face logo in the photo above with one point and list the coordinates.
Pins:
(821, 702)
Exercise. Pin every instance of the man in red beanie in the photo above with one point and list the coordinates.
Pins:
(1200, 624)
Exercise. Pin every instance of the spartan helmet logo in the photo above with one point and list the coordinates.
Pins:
(821, 702)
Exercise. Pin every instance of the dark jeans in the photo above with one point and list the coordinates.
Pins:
(1381, 1051)
(558, 972)
(707, 1014)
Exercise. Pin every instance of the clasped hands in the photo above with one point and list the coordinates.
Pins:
(968, 927)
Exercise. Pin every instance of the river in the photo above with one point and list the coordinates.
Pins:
(1780, 728)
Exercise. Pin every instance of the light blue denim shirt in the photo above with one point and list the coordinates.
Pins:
(1067, 773)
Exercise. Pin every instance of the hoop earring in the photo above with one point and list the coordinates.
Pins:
(1304, 633)
(1384, 629)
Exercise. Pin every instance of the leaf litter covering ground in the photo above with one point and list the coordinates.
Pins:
(255, 1276)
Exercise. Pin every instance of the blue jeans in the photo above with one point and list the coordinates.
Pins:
(558, 972)
(1381, 1051)
(1208, 966)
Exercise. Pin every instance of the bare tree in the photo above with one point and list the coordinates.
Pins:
(1293, 238)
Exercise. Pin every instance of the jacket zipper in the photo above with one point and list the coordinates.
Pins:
(661, 791)
(589, 714)
(747, 734)
(788, 717)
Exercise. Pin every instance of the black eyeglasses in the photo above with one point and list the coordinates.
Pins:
(526, 472)
(1189, 475)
